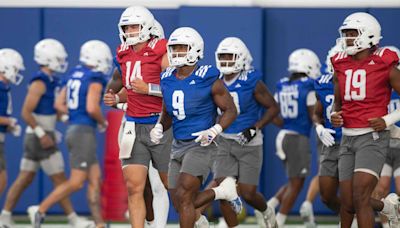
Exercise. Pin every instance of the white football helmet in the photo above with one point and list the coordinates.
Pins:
(241, 57)
(11, 63)
(97, 54)
(157, 30)
(136, 15)
(195, 47)
(395, 49)
(304, 61)
(369, 32)
(51, 53)
(332, 52)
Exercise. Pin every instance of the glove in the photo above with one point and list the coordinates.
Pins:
(247, 135)
(102, 127)
(156, 133)
(16, 130)
(64, 118)
(206, 137)
(13, 121)
(325, 135)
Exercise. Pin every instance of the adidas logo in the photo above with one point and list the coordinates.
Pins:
(83, 164)
(371, 62)
(192, 82)
(146, 54)
(129, 132)
(238, 85)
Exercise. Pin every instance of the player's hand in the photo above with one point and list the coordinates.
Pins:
(139, 86)
(46, 142)
(336, 119)
(102, 127)
(247, 135)
(325, 135)
(156, 133)
(206, 137)
(378, 124)
(110, 98)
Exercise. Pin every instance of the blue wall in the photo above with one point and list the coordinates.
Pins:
(271, 34)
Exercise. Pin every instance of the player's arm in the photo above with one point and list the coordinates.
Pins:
(165, 119)
(4, 120)
(60, 104)
(317, 116)
(380, 124)
(35, 92)
(114, 86)
(224, 101)
(163, 124)
(93, 103)
(336, 116)
(265, 98)
(277, 121)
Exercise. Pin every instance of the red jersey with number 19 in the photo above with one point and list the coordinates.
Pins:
(146, 65)
(364, 86)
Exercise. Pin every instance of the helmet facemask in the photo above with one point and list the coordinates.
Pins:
(228, 63)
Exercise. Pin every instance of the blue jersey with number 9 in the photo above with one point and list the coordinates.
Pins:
(189, 101)
(292, 99)
(77, 86)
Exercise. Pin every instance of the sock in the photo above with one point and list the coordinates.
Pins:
(385, 225)
(273, 202)
(72, 217)
(6, 213)
(150, 223)
(160, 198)
(281, 219)
(219, 193)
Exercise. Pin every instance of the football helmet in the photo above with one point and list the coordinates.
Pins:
(332, 52)
(11, 63)
(136, 15)
(241, 57)
(305, 61)
(195, 47)
(157, 30)
(369, 32)
(51, 53)
(97, 54)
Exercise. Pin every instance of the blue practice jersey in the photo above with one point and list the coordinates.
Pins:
(394, 103)
(324, 90)
(5, 103)
(292, 98)
(46, 102)
(78, 84)
(242, 92)
(189, 101)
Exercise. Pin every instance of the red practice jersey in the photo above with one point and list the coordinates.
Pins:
(145, 65)
(364, 86)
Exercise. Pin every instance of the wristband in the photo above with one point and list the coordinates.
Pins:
(155, 90)
(392, 117)
(39, 132)
(122, 106)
